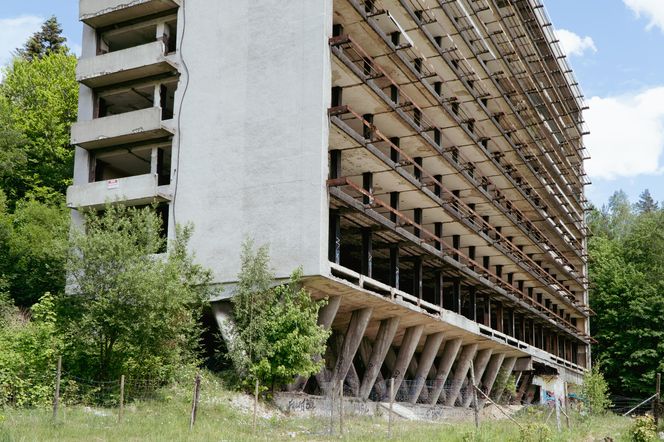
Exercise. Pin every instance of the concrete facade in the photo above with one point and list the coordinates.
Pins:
(422, 160)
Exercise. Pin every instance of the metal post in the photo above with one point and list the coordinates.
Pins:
(657, 399)
(194, 403)
(558, 414)
(473, 390)
(122, 386)
(255, 405)
(341, 408)
(389, 417)
(56, 396)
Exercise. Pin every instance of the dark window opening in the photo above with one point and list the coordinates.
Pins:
(133, 35)
(138, 97)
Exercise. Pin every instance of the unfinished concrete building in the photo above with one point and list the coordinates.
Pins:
(422, 160)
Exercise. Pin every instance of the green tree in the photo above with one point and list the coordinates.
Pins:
(33, 247)
(276, 330)
(38, 104)
(595, 390)
(47, 40)
(646, 203)
(131, 309)
(30, 346)
(626, 268)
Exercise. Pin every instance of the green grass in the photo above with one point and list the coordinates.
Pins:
(167, 418)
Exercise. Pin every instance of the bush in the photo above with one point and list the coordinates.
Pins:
(277, 334)
(643, 429)
(131, 310)
(595, 390)
(30, 346)
(536, 432)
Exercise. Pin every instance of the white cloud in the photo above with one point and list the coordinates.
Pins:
(626, 134)
(574, 44)
(653, 10)
(14, 32)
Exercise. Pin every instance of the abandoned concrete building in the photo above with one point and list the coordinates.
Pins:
(422, 160)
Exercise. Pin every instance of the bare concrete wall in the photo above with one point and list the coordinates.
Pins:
(253, 131)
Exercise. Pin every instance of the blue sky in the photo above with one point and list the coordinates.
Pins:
(614, 46)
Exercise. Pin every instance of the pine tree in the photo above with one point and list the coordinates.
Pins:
(646, 203)
(47, 40)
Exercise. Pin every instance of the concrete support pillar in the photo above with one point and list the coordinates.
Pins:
(406, 352)
(417, 277)
(373, 363)
(438, 289)
(504, 373)
(394, 265)
(526, 380)
(456, 296)
(460, 373)
(326, 316)
(487, 311)
(353, 380)
(431, 347)
(444, 366)
(395, 156)
(367, 252)
(479, 365)
(367, 184)
(417, 217)
(490, 375)
(438, 232)
(394, 203)
(334, 238)
(356, 328)
(472, 303)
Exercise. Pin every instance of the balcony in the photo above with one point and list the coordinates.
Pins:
(134, 190)
(101, 13)
(129, 127)
(125, 65)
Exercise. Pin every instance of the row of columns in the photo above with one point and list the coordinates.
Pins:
(443, 362)
(367, 181)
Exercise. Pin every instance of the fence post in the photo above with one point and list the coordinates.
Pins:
(569, 426)
(194, 403)
(122, 385)
(558, 413)
(255, 406)
(341, 408)
(56, 396)
(330, 394)
(389, 417)
(474, 392)
(657, 399)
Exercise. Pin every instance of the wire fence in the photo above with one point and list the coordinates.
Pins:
(338, 408)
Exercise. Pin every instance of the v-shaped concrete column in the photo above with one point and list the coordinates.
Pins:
(450, 352)
(504, 373)
(356, 328)
(386, 331)
(479, 365)
(460, 373)
(431, 347)
(490, 375)
(326, 316)
(406, 352)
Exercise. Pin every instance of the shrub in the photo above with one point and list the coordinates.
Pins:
(536, 432)
(643, 429)
(131, 310)
(276, 330)
(595, 390)
(30, 345)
